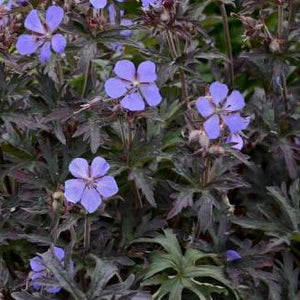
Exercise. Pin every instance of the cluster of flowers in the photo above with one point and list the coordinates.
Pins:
(44, 30)
(135, 88)
(44, 36)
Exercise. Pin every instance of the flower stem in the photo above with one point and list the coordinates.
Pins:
(87, 234)
(227, 42)
(280, 37)
(205, 176)
(292, 13)
(60, 73)
(175, 52)
(86, 79)
(280, 21)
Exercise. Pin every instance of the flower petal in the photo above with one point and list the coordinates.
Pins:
(154, 3)
(54, 16)
(98, 3)
(74, 190)
(59, 253)
(107, 186)
(91, 200)
(151, 93)
(45, 54)
(112, 14)
(79, 168)
(234, 102)
(53, 290)
(115, 87)
(125, 69)
(212, 127)
(99, 167)
(236, 140)
(232, 255)
(27, 44)
(205, 107)
(235, 122)
(58, 43)
(126, 32)
(146, 72)
(218, 91)
(33, 276)
(36, 264)
(133, 102)
(33, 22)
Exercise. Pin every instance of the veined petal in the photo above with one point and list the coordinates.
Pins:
(33, 276)
(234, 102)
(74, 190)
(126, 32)
(45, 54)
(58, 43)
(154, 3)
(146, 72)
(234, 122)
(205, 107)
(112, 14)
(133, 102)
(53, 290)
(98, 3)
(107, 186)
(125, 69)
(91, 200)
(218, 91)
(212, 127)
(115, 87)
(27, 44)
(59, 253)
(232, 255)
(36, 264)
(33, 22)
(99, 167)
(236, 140)
(79, 168)
(151, 93)
(54, 16)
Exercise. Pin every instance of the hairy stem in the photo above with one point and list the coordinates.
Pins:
(282, 75)
(87, 78)
(280, 22)
(292, 12)
(60, 73)
(87, 234)
(175, 52)
(227, 42)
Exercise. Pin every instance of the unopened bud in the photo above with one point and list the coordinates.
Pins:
(57, 195)
(216, 149)
(275, 46)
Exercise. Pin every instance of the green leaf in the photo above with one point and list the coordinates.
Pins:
(186, 271)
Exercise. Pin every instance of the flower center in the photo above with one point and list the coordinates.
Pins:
(90, 182)
(135, 83)
(48, 35)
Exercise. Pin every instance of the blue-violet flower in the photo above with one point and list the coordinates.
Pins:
(134, 86)
(44, 36)
(40, 271)
(91, 185)
(221, 109)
